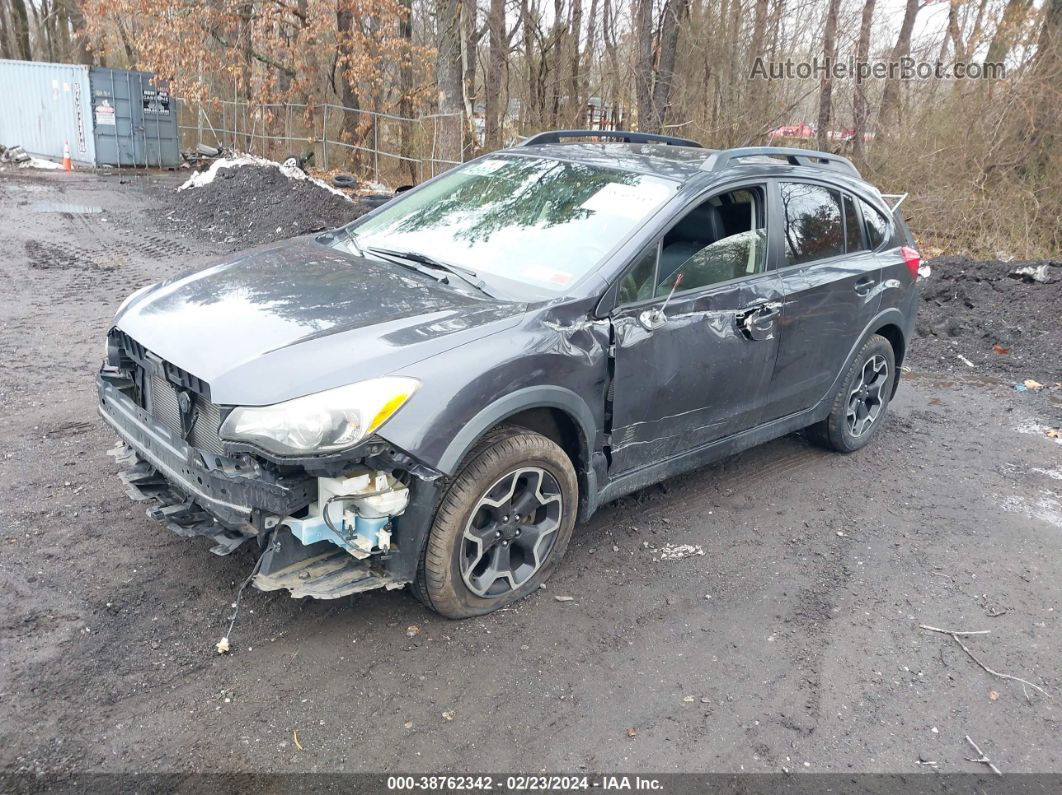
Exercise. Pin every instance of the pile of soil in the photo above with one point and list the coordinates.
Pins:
(1008, 325)
(248, 205)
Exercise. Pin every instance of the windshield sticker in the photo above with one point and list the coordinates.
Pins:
(547, 275)
(483, 168)
(629, 201)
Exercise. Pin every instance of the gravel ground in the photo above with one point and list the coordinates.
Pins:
(791, 643)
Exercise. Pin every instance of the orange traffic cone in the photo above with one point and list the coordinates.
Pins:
(66, 157)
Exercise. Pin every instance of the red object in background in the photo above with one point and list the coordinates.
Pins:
(802, 130)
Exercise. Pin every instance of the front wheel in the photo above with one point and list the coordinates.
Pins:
(860, 405)
(502, 526)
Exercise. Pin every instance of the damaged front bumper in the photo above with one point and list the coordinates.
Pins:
(232, 500)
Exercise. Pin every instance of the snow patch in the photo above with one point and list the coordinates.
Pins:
(201, 178)
(680, 551)
(40, 162)
(1036, 429)
(1046, 508)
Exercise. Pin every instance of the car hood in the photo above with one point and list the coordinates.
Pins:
(294, 318)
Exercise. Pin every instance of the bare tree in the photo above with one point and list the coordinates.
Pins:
(643, 61)
(859, 100)
(498, 43)
(405, 78)
(21, 28)
(575, 25)
(449, 77)
(890, 98)
(829, 46)
(1014, 15)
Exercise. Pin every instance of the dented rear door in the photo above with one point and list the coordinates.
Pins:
(702, 375)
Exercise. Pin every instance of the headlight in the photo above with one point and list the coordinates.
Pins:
(320, 423)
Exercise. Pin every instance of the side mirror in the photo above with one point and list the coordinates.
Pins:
(652, 319)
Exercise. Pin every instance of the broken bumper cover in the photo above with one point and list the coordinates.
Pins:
(193, 498)
(194, 495)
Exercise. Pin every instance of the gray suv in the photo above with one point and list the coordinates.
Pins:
(434, 394)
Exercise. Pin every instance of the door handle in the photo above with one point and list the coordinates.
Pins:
(757, 321)
(865, 285)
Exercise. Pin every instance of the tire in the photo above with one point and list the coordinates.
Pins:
(468, 540)
(849, 427)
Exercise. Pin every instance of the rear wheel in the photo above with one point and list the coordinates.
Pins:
(861, 403)
(502, 526)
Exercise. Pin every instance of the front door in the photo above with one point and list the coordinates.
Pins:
(695, 367)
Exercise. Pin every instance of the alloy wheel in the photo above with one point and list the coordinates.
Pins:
(867, 398)
(511, 531)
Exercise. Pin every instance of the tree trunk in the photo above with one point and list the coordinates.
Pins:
(588, 60)
(21, 25)
(498, 42)
(954, 33)
(859, 101)
(6, 50)
(829, 44)
(757, 87)
(1014, 15)
(675, 13)
(556, 82)
(348, 94)
(77, 25)
(1046, 70)
(890, 97)
(405, 77)
(643, 62)
(469, 42)
(608, 34)
(576, 107)
(448, 76)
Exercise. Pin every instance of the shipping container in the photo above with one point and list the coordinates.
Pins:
(108, 117)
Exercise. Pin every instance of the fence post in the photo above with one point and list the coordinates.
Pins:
(324, 138)
(376, 147)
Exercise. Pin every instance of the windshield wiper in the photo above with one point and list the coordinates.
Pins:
(464, 274)
(353, 238)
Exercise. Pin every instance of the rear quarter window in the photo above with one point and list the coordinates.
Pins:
(812, 219)
(876, 225)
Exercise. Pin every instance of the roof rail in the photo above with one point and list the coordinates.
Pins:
(793, 155)
(626, 136)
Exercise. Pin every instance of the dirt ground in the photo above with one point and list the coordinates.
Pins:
(792, 643)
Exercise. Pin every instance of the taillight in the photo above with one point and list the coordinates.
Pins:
(912, 259)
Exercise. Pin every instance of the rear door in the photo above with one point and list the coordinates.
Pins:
(696, 367)
(832, 285)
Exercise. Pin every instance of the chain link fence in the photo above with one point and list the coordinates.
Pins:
(394, 150)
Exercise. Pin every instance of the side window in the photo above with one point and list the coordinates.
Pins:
(638, 284)
(853, 230)
(723, 238)
(813, 227)
(877, 226)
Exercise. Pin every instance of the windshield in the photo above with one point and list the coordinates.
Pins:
(519, 221)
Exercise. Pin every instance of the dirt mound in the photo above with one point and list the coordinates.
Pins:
(1007, 325)
(248, 204)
